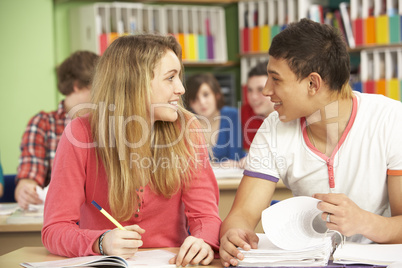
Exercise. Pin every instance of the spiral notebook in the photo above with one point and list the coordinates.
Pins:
(295, 235)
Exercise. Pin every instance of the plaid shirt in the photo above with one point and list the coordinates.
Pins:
(39, 143)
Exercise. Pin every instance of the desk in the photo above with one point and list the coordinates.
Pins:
(15, 236)
(39, 254)
(228, 188)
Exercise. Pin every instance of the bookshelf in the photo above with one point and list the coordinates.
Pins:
(372, 30)
(200, 29)
(63, 34)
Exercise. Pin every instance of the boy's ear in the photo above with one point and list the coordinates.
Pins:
(314, 81)
(76, 86)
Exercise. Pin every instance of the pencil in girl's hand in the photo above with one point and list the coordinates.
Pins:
(104, 212)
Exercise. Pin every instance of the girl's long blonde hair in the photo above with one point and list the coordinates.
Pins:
(134, 152)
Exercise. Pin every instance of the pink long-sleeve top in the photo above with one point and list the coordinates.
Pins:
(76, 182)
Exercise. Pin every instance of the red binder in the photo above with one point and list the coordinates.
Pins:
(358, 31)
(369, 86)
(245, 40)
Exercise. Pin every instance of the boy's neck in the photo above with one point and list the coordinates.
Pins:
(326, 126)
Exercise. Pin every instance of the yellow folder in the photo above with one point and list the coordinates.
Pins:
(382, 29)
(265, 38)
(193, 46)
(393, 89)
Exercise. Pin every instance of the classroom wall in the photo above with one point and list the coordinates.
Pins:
(35, 39)
(27, 80)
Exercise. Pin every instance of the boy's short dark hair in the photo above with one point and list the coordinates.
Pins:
(258, 70)
(308, 47)
(79, 67)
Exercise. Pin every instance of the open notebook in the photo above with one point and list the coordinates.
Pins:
(294, 236)
(150, 258)
(376, 254)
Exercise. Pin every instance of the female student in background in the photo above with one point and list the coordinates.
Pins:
(258, 107)
(220, 123)
(136, 154)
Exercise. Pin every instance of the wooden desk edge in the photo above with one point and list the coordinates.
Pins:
(8, 228)
(233, 183)
(40, 254)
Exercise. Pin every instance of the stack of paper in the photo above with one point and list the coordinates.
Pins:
(268, 255)
(294, 236)
(376, 254)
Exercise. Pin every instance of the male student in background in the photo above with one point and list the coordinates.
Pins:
(39, 142)
(258, 107)
(324, 140)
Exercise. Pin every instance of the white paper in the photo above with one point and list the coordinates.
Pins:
(150, 258)
(7, 209)
(289, 223)
(42, 192)
(227, 172)
(291, 237)
(376, 254)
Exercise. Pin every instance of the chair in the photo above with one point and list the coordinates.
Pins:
(9, 187)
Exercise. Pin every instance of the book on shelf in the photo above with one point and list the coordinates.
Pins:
(347, 23)
(151, 258)
(295, 235)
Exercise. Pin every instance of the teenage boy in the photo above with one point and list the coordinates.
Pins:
(324, 140)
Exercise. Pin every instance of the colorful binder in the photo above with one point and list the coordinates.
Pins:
(265, 38)
(381, 87)
(275, 30)
(382, 30)
(394, 29)
(369, 86)
(393, 86)
(369, 30)
(358, 31)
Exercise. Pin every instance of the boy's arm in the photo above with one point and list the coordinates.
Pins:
(237, 230)
(384, 229)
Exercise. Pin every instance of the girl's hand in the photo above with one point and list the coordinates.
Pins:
(193, 251)
(123, 243)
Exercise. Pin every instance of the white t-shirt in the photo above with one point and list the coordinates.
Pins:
(369, 149)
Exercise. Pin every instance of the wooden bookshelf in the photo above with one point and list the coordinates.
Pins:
(191, 1)
(211, 64)
(360, 48)
(161, 1)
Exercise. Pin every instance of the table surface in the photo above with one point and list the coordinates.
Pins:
(40, 254)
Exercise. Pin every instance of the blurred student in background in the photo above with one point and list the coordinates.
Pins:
(258, 107)
(1, 181)
(220, 123)
(42, 134)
